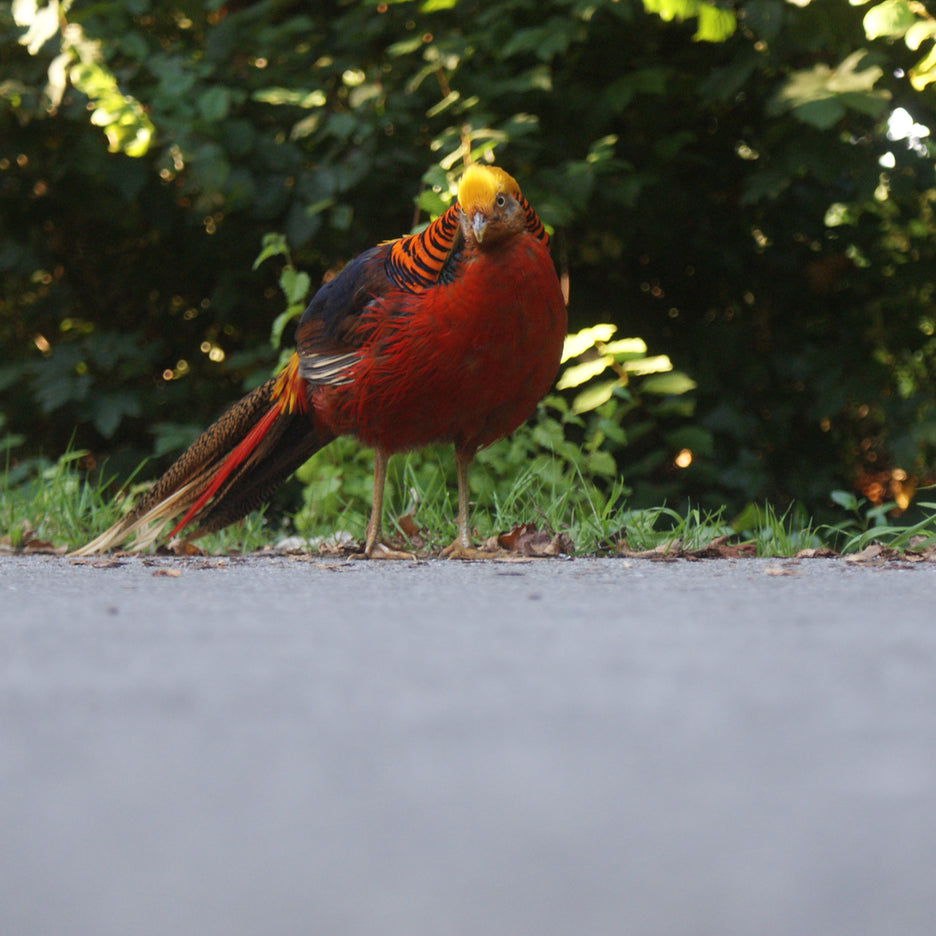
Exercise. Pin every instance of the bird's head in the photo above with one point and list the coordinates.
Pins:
(490, 205)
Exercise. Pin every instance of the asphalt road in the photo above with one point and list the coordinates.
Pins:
(467, 749)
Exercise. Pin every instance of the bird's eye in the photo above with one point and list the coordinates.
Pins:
(500, 201)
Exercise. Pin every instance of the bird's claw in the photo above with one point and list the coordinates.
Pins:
(383, 551)
(460, 550)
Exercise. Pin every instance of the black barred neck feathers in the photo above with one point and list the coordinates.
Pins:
(420, 261)
(489, 208)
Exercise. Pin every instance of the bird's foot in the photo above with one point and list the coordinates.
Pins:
(460, 550)
(383, 551)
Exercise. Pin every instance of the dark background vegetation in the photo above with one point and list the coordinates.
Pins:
(712, 173)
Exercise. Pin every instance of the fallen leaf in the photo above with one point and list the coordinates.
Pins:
(185, 548)
(167, 573)
(875, 552)
(721, 548)
(511, 538)
(526, 540)
(408, 526)
(672, 549)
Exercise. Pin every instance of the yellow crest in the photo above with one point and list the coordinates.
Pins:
(480, 185)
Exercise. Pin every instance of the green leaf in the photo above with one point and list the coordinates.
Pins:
(592, 397)
(767, 184)
(296, 97)
(215, 103)
(109, 409)
(698, 440)
(42, 23)
(891, 19)
(820, 95)
(625, 348)
(577, 374)
(846, 499)
(924, 72)
(918, 33)
(582, 340)
(675, 382)
(295, 284)
(274, 245)
(765, 17)
(656, 364)
(282, 320)
(821, 114)
(715, 24)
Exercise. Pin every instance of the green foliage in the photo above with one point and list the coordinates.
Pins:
(777, 534)
(722, 181)
(51, 502)
(866, 524)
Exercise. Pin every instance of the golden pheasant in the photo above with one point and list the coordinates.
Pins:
(448, 336)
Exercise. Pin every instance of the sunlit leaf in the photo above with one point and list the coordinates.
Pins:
(577, 374)
(891, 18)
(819, 95)
(296, 97)
(651, 365)
(592, 397)
(674, 382)
(918, 33)
(924, 72)
(582, 340)
(42, 23)
(715, 24)
(625, 346)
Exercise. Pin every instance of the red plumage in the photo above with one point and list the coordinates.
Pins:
(452, 335)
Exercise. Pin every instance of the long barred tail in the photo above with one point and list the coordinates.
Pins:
(233, 467)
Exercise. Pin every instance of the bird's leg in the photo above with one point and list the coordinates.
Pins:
(373, 547)
(461, 547)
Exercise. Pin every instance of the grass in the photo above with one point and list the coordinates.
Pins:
(56, 505)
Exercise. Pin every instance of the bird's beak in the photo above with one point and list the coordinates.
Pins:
(479, 225)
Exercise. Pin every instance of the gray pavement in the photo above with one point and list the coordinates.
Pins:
(585, 747)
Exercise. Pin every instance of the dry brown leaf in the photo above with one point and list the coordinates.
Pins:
(665, 551)
(875, 552)
(721, 548)
(782, 570)
(511, 539)
(42, 548)
(411, 530)
(185, 548)
(167, 573)
(922, 555)
(98, 563)
(526, 540)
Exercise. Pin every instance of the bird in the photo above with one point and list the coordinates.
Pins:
(451, 335)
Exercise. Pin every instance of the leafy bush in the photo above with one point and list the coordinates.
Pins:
(725, 183)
